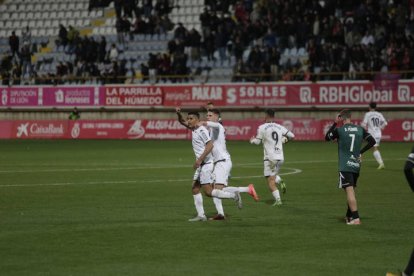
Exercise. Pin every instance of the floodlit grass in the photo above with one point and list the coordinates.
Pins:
(121, 208)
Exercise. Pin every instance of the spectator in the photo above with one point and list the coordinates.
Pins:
(27, 36)
(144, 72)
(26, 60)
(147, 6)
(113, 53)
(102, 49)
(16, 74)
(74, 115)
(63, 36)
(180, 32)
(194, 42)
(14, 44)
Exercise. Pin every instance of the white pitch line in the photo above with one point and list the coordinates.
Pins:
(145, 167)
(293, 171)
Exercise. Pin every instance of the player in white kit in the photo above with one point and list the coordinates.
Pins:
(374, 122)
(202, 146)
(222, 161)
(272, 136)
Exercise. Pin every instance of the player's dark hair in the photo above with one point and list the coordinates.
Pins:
(345, 114)
(270, 112)
(195, 113)
(373, 105)
(210, 103)
(215, 111)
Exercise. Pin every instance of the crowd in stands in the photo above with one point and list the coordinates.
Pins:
(264, 40)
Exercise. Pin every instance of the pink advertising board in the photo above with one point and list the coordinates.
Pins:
(159, 129)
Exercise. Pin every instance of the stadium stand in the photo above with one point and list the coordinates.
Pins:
(228, 40)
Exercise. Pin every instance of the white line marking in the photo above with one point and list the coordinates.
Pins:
(293, 171)
(146, 167)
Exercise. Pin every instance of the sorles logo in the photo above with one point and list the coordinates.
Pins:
(22, 129)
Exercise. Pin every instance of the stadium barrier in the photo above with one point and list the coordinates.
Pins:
(167, 129)
(302, 95)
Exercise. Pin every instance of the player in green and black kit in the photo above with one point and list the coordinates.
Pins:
(349, 137)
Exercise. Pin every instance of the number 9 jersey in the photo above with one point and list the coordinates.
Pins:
(271, 134)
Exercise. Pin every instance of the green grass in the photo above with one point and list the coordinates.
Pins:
(121, 208)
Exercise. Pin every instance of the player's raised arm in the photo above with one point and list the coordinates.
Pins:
(332, 133)
(180, 117)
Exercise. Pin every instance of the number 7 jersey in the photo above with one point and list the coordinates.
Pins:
(271, 135)
(350, 138)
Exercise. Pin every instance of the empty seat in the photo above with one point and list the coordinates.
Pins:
(54, 7)
(52, 14)
(15, 16)
(71, 6)
(63, 6)
(16, 24)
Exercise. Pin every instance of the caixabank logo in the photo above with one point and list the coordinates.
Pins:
(40, 130)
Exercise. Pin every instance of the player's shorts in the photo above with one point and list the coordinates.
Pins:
(347, 179)
(377, 140)
(221, 171)
(204, 174)
(271, 168)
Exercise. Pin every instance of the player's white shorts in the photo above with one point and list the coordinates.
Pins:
(221, 171)
(377, 140)
(204, 174)
(271, 168)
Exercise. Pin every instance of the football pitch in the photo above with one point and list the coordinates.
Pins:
(121, 208)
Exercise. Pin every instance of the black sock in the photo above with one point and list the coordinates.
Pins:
(348, 213)
(355, 215)
(410, 267)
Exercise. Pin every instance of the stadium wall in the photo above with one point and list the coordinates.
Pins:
(241, 104)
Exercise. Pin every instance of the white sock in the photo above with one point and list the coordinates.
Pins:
(278, 179)
(222, 194)
(377, 156)
(198, 202)
(236, 189)
(276, 195)
(219, 206)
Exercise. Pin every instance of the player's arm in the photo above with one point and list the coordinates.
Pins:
(364, 122)
(207, 149)
(257, 139)
(369, 139)
(408, 169)
(332, 133)
(180, 117)
(383, 123)
(212, 124)
(288, 136)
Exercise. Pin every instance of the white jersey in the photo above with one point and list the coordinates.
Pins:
(200, 137)
(270, 134)
(374, 122)
(217, 133)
